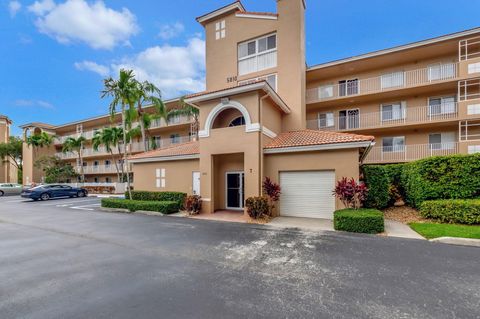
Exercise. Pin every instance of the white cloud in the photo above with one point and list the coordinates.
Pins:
(78, 21)
(176, 70)
(34, 103)
(41, 7)
(14, 7)
(92, 66)
(169, 31)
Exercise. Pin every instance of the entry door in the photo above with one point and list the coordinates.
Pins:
(234, 190)
(196, 183)
(349, 119)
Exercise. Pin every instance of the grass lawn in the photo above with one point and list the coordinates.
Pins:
(433, 230)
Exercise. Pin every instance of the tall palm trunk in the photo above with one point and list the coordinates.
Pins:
(82, 174)
(125, 158)
(116, 165)
(142, 129)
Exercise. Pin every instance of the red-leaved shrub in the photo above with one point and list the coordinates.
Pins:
(351, 193)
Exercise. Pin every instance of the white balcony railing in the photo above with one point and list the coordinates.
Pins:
(132, 148)
(155, 124)
(390, 118)
(406, 153)
(387, 82)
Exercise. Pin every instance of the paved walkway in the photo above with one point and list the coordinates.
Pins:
(397, 229)
(225, 216)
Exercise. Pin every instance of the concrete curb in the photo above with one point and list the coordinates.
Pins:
(126, 211)
(457, 241)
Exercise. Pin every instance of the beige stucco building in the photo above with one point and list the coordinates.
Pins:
(8, 170)
(266, 113)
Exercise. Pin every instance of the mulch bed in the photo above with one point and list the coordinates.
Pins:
(403, 214)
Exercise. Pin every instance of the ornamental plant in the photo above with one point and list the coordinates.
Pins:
(193, 204)
(273, 191)
(351, 193)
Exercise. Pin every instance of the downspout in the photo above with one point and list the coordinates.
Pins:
(367, 150)
(260, 137)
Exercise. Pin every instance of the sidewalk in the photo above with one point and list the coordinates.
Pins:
(397, 229)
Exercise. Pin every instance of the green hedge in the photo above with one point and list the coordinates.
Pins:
(369, 221)
(159, 196)
(164, 207)
(379, 180)
(461, 211)
(441, 177)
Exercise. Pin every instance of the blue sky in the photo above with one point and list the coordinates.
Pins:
(55, 53)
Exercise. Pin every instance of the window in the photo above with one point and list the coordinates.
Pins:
(393, 144)
(393, 111)
(220, 30)
(473, 149)
(325, 91)
(474, 68)
(157, 140)
(95, 179)
(160, 177)
(84, 164)
(257, 55)
(473, 109)
(349, 119)
(325, 120)
(442, 141)
(95, 163)
(237, 122)
(392, 80)
(441, 71)
(175, 138)
(348, 87)
(108, 180)
(107, 163)
(442, 105)
(79, 128)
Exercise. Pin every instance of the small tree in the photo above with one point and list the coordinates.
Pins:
(56, 170)
(75, 145)
(273, 192)
(12, 151)
(351, 193)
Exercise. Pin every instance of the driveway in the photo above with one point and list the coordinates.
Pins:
(65, 259)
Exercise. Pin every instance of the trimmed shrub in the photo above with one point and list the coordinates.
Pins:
(441, 177)
(461, 211)
(257, 207)
(164, 207)
(369, 221)
(378, 184)
(158, 196)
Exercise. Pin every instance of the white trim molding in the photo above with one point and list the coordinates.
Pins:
(237, 5)
(256, 16)
(249, 126)
(268, 132)
(323, 147)
(165, 158)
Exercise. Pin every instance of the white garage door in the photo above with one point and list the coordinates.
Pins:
(307, 194)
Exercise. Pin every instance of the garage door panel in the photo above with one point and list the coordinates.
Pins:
(307, 194)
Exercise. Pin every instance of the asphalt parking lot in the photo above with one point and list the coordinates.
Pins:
(67, 259)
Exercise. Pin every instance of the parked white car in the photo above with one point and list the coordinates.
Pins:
(10, 189)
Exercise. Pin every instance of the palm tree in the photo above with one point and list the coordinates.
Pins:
(40, 140)
(110, 137)
(148, 93)
(72, 144)
(186, 109)
(123, 92)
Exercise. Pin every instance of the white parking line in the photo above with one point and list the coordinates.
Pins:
(67, 203)
(84, 207)
(18, 201)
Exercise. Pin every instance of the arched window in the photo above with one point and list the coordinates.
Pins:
(239, 121)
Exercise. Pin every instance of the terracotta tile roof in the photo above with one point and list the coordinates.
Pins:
(224, 89)
(315, 137)
(189, 148)
(259, 13)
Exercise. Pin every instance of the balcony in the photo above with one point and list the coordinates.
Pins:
(133, 148)
(98, 169)
(384, 83)
(407, 153)
(355, 120)
(158, 123)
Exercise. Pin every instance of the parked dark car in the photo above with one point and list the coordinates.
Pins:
(45, 192)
